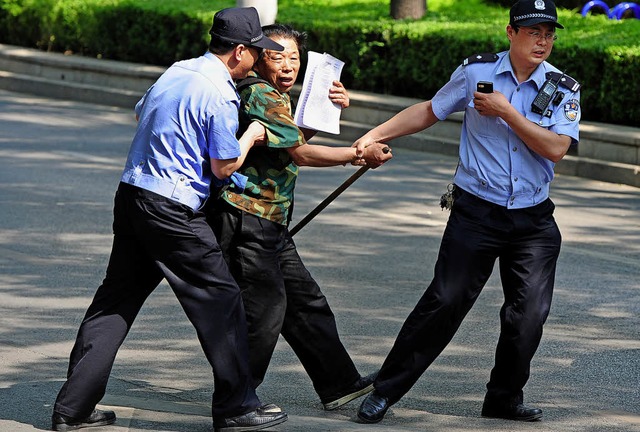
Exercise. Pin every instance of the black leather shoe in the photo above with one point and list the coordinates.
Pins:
(373, 408)
(361, 387)
(265, 416)
(511, 412)
(61, 422)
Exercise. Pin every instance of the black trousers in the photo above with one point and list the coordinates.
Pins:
(281, 296)
(527, 244)
(156, 238)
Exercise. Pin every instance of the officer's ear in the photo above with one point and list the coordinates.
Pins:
(238, 50)
(511, 32)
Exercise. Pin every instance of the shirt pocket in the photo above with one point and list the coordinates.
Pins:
(544, 121)
(489, 128)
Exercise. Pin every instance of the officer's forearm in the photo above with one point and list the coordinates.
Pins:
(408, 121)
(542, 141)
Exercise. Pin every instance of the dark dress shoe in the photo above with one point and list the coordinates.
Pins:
(61, 422)
(511, 412)
(361, 387)
(373, 408)
(263, 417)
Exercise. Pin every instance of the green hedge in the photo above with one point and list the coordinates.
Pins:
(416, 58)
(405, 58)
(135, 31)
(576, 5)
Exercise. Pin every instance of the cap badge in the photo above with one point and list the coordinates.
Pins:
(539, 4)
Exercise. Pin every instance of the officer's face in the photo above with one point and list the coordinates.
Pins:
(530, 46)
(280, 68)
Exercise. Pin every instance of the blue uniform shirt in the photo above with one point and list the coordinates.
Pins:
(187, 117)
(495, 164)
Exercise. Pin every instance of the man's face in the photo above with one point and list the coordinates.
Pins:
(530, 46)
(280, 68)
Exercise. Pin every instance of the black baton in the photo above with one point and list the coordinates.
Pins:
(348, 182)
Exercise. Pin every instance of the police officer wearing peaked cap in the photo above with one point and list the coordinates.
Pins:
(500, 210)
(161, 233)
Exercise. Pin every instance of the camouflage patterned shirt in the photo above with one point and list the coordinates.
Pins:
(270, 170)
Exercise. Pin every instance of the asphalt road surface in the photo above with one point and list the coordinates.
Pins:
(372, 251)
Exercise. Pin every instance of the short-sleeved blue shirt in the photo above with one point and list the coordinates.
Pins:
(495, 164)
(188, 117)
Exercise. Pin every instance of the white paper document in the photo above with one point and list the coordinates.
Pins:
(315, 110)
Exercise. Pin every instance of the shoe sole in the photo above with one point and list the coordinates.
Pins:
(252, 428)
(65, 427)
(348, 398)
(530, 418)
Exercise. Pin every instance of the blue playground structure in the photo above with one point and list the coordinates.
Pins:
(617, 12)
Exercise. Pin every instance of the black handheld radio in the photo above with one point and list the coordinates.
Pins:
(545, 96)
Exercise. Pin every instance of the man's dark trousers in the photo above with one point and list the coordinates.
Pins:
(527, 244)
(281, 296)
(156, 238)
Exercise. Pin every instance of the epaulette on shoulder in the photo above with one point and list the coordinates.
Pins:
(481, 58)
(565, 80)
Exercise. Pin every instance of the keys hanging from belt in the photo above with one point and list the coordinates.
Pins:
(446, 200)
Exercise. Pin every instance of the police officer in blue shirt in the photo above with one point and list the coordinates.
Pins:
(512, 135)
(186, 137)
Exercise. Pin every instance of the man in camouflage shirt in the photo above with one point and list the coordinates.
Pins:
(279, 293)
(271, 172)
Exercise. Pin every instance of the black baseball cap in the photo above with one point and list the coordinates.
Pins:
(530, 12)
(241, 26)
